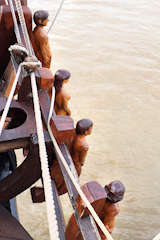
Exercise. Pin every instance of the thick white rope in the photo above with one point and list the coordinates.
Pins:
(157, 237)
(10, 97)
(57, 13)
(83, 197)
(53, 226)
(9, 100)
(15, 22)
(23, 25)
(48, 194)
(51, 214)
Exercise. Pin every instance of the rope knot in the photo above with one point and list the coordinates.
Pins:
(21, 56)
(31, 63)
(18, 52)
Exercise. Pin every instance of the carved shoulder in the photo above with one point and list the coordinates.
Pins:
(112, 209)
(40, 35)
(80, 145)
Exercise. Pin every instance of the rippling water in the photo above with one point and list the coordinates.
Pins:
(112, 51)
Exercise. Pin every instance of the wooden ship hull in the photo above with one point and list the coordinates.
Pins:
(21, 132)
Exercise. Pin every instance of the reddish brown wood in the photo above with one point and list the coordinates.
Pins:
(79, 147)
(2, 2)
(61, 95)
(7, 34)
(42, 47)
(22, 177)
(9, 76)
(29, 171)
(22, 115)
(45, 78)
(95, 194)
(10, 228)
(62, 126)
(37, 194)
(23, 2)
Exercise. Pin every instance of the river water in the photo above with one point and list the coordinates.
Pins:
(112, 50)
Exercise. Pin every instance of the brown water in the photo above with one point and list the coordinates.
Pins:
(112, 50)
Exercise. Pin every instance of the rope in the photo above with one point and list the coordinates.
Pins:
(15, 22)
(83, 197)
(157, 237)
(23, 25)
(9, 99)
(53, 227)
(6, 109)
(57, 13)
(51, 213)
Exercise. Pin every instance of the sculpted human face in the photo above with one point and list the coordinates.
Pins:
(66, 80)
(89, 131)
(45, 22)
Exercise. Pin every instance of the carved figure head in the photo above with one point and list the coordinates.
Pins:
(84, 127)
(115, 191)
(60, 76)
(41, 18)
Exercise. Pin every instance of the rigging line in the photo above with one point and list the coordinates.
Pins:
(51, 213)
(6, 109)
(6, 1)
(15, 22)
(10, 97)
(157, 237)
(23, 25)
(57, 13)
(52, 221)
(83, 197)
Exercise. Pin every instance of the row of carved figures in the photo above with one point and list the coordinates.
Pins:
(84, 127)
(114, 190)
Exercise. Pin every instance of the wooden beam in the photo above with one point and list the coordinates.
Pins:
(59, 213)
(86, 224)
(62, 126)
(10, 228)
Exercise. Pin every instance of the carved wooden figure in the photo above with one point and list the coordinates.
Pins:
(80, 146)
(20, 127)
(61, 96)
(79, 149)
(106, 209)
(42, 47)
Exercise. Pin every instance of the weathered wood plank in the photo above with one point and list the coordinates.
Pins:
(10, 228)
(59, 213)
(62, 126)
(87, 225)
